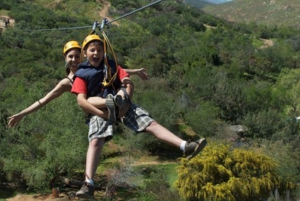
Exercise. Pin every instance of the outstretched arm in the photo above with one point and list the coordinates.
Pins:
(59, 89)
(142, 72)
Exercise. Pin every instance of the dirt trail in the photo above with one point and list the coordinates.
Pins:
(4, 18)
(105, 10)
(22, 197)
(267, 43)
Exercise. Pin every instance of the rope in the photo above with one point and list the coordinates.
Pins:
(109, 80)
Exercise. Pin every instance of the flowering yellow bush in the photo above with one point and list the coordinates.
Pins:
(220, 173)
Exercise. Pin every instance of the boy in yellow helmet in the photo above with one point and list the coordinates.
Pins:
(88, 83)
(71, 53)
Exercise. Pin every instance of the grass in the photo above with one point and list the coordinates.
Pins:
(4, 12)
(172, 173)
(145, 169)
(107, 164)
(257, 43)
(144, 163)
(168, 169)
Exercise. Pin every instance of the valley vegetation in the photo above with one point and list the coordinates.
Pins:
(207, 75)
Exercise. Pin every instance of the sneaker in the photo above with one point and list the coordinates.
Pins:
(111, 108)
(193, 148)
(86, 191)
(120, 101)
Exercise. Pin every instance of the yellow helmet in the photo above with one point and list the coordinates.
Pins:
(90, 38)
(70, 45)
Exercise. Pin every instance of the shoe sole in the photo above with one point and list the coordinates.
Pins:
(201, 144)
(119, 101)
(111, 109)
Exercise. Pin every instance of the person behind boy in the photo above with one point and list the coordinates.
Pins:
(88, 83)
(71, 54)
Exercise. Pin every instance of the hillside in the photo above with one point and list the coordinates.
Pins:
(208, 78)
(269, 12)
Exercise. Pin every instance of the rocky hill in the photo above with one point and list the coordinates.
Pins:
(268, 12)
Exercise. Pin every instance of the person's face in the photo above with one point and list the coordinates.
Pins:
(73, 58)
(94, 53)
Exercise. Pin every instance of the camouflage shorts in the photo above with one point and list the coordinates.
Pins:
(99, 128)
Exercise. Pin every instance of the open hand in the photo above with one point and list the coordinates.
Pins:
(142, 72)
(14, 120)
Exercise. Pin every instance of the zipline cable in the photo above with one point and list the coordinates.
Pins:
(105, 22)
(134, 11)
(66, 28)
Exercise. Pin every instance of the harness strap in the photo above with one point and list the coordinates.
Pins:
(71, 80)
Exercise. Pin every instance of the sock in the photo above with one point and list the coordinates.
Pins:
(90, 181)
(182, 145)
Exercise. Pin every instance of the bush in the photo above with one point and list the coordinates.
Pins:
(228, 175)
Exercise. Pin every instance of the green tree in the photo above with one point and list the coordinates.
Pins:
(47, 143)
(287, 155)
(203, 119)
(288, 86)
(264, 123)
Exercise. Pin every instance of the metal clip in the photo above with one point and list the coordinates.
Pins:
(104, 22)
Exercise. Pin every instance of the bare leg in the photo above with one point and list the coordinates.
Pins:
(93, 157)
(123, 110)
(98, 102)
(163, 134)
(110, 103)
(92, 161)
(190, 150)
(121, 93)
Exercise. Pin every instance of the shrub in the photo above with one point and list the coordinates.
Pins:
(224, 174)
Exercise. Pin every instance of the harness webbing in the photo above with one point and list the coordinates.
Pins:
(70, 80)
